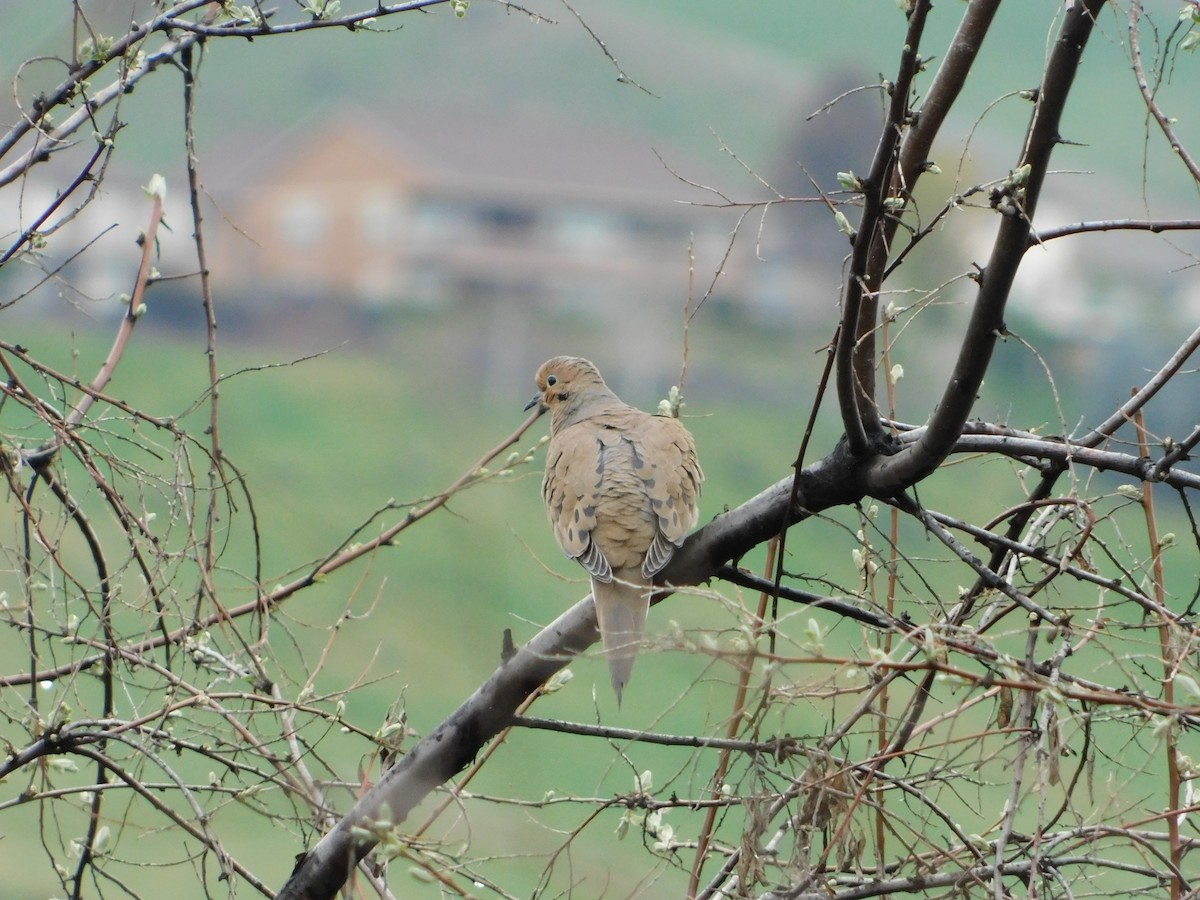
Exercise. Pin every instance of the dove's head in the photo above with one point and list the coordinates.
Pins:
(571, 389)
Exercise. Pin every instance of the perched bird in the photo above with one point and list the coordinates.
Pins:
(620, 488)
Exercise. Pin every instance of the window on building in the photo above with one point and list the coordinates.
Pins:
(303, 220)
(379, 218)
(507, 220)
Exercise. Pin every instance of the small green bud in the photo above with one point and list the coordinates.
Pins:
(157, 187)
(849, 181)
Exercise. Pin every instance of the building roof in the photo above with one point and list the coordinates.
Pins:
(532, 149)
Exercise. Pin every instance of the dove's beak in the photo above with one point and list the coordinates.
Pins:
(536, 401)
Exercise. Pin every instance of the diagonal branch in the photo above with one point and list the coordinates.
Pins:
(894, 172)
(1165, 122)
(1017, 205)
(57, 137)
(453, 744)
(442, 753)
(855, 351)
(1141, 397)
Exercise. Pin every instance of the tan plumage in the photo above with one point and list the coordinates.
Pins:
(621, 489)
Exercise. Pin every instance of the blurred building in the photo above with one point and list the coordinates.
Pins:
(448, 208)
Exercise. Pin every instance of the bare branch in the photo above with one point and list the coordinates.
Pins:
(1017, 206)
(1163, 121)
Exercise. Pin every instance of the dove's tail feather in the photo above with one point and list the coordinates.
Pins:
(621, 611)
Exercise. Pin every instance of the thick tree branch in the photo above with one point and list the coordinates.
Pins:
(943, 92)
(1017, 203)
(444, 752)
(855, 351)
(453, 744)
(894, 172)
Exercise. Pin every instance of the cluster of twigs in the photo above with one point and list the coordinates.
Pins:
(979, 740)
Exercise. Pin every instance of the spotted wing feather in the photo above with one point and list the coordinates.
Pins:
(671, 476)
(571, 490)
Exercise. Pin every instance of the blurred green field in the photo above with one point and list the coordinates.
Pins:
(326, 442)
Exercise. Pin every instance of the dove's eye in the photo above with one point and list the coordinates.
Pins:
(551, 380)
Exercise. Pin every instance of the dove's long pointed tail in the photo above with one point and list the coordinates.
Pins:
(621, 610)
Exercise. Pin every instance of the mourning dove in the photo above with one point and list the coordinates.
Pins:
(620, 488)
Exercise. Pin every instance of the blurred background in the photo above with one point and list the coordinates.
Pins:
(423, 214)
(502, 168)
